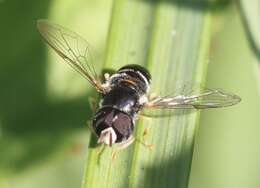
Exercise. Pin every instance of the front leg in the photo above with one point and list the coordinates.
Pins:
(93, 104)
(122, 146)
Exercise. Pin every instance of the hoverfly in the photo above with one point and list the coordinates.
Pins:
(126, 92)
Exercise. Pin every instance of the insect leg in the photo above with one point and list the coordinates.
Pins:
(122, 146)
(146, 132)
(142, 140)
(92, 103)
(145, 117)
(89, 123)
(130, 141)
(100, 149)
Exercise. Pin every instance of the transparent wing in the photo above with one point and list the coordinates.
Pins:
(209, 98)
(72, 48)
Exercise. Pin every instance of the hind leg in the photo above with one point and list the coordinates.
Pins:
(143, 138)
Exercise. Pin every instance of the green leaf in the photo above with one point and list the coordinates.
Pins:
(172, 41)
(226, 145)
(250, 14)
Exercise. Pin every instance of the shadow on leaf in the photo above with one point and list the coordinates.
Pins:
(32, 128)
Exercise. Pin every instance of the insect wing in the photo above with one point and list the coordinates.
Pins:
(209, 98)
(72, 48)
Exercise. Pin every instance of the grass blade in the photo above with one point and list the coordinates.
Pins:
(171, 40)
(250, 14)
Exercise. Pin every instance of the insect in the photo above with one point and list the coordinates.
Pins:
(125, 93)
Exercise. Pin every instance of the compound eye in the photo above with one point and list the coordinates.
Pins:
(122, 124)
(110, 118)
(103, 120)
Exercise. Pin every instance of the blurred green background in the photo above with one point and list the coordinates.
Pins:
(44, 107)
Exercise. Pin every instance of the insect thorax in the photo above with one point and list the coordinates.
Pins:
(128, 89)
